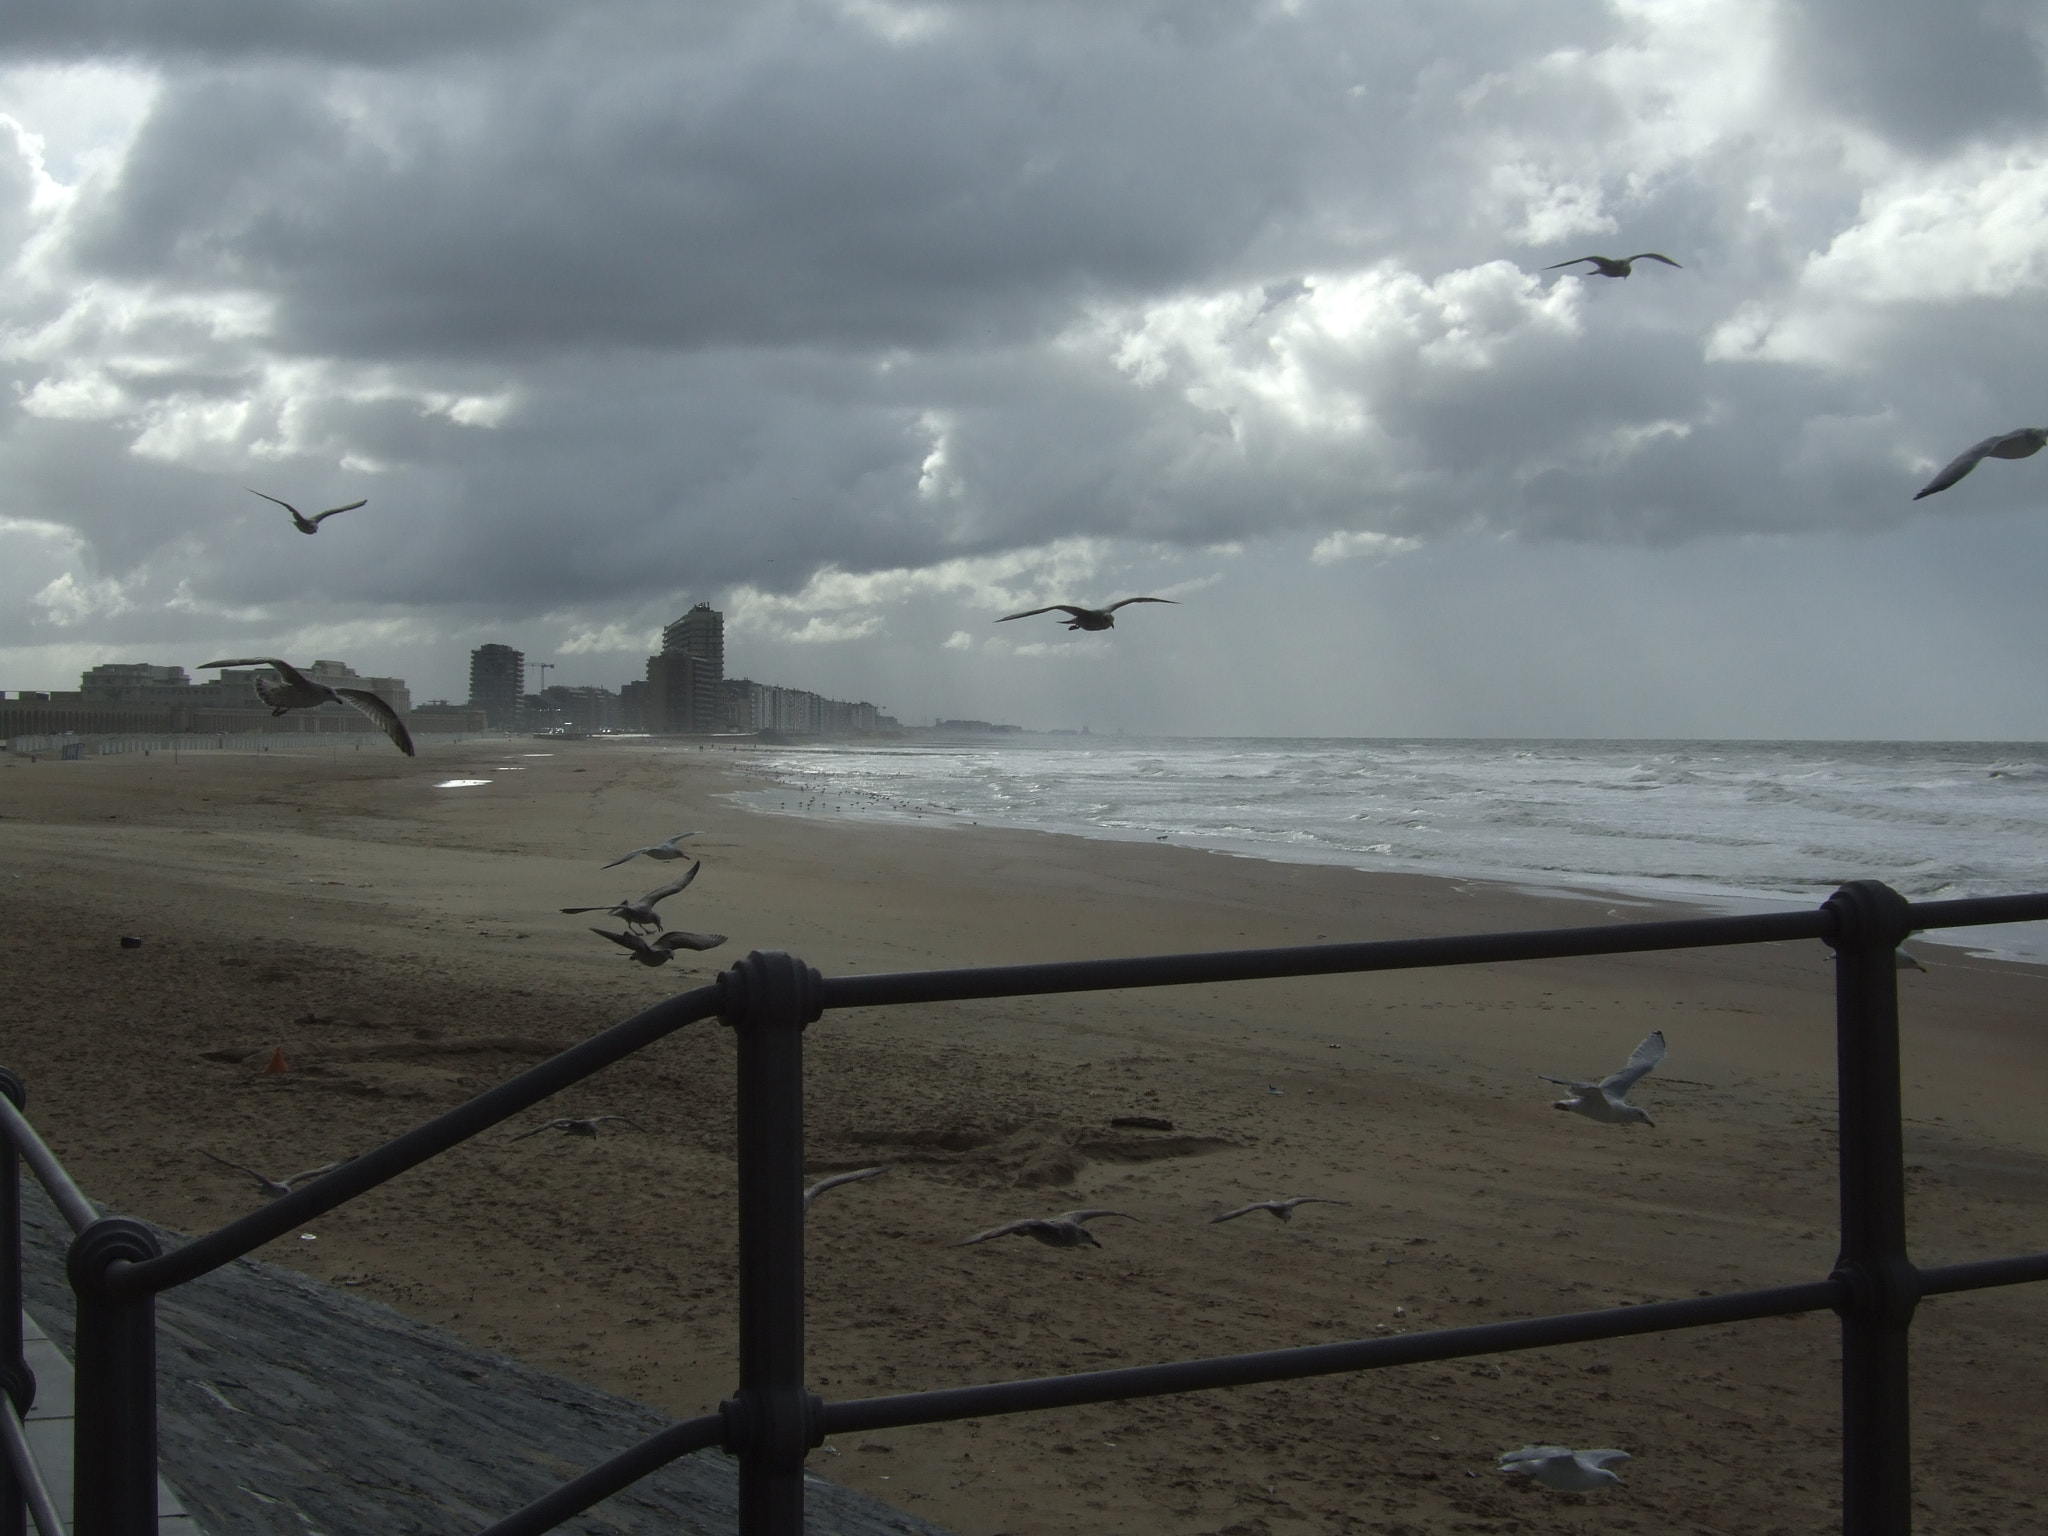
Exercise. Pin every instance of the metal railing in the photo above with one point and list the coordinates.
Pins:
(117, 1268)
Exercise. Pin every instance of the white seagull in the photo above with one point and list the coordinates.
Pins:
(309, 524)
(641, 913)
(1566, 1471)
(1067, 1230)
(659, 851)
(1612, 266)
(2021, 444)
(1607, 1100)
(299, 691)
(661, 949)
(833, 1181)
(573, 1127)
(1084, 618)
(1283, 1209)
(276, 1187)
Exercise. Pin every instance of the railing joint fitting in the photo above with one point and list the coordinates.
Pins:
(1884, 1293)
(1868, 915)
(100, 1254)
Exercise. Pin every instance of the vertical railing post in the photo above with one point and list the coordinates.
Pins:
(773, 1422)
(16, 1379)
(114, 1460)
(1882, 1285)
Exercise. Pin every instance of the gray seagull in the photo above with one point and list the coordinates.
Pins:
(1566, 1471)
(659, 851)
(837, 1179)
(276, 1187)
(1067, 1230)
(309, 524)
(1607, 1100)
(299, 691)
(1084, 618)
(574, 1127)
(1612, 266)
(641, 913)
(2023, 443)
(661, 949)
(1283, 1209)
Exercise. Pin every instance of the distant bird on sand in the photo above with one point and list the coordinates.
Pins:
(1607, 1100)
(1064, 1231)
(1085, 618)
(573, 1127)
(659, 851)
(1612, 266)
(310, 524)
(837, 1179)
(1565, 1471)
(299, 691)
(661, 949)
(1283, 1209)
(1906, 960)
(2021, 444)
(641, 913)
(277, 1187)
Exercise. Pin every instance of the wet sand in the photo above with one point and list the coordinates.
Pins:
(402, 945)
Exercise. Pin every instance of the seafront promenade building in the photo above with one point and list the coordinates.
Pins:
(497, 684)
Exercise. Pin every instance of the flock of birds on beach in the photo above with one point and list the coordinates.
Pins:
(643, 936)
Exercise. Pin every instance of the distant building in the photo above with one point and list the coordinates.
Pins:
(633, 706)
(589, 710)
(699, 633)
(135, 682)
(680, 699)
(497, 683)
(692, 695)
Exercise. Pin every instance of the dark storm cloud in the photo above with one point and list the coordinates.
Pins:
(363, 31)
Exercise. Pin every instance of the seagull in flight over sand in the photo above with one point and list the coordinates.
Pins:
(1085, 618)
(573, 1127)
(659, 851)
(299, 691)
(641, 913)
(1613, 266)
(310, 524)
(837, 1179)
(1283, 1209)
(1068, 1230)
(1566, 1471)
(661, 949)
(1607, 1100)
(2023, 443)
(277, 1187)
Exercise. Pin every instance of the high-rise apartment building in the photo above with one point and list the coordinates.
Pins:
(692, 693)
(497, 683)
(699, 633)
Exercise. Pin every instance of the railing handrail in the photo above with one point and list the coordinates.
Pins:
(63, 1191)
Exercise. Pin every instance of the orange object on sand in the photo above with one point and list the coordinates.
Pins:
(277, 1062)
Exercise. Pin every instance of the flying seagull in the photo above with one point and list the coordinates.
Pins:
(572, 1127)
(1607, 1100)
(661, 851)
(1612, 266)
(661, 949)
(1064, 1231)
(1283, 1209)
(1085, 618)
(838, 1179)
(2023, 443)
(310, 524)
(299, 691)
(1566, 1471)
(276, 1187)
(641, 913)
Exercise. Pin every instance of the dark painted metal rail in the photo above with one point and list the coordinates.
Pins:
(773, 1419)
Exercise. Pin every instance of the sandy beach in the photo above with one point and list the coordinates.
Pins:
(402, 944)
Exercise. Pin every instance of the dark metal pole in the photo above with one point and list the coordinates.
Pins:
(16, 1379)
(114, 1491)
(773, 1422)
(1883, 1287)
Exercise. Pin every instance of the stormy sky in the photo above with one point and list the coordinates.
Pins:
(871, 322)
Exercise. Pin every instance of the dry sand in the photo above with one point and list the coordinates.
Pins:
(402, 944)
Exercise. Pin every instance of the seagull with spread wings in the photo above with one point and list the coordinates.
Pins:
(641, 913)
(310, 524)
(1068, 1230)
(299, 691)
(1612, 266)
(1607, 1100)
(569, 1126)
(1564, 1470)
(833, 1181)
(276, 1188)
(659, 852)
(1282, 1209)
(661, 949)
(1084, 618)
(2022, 443)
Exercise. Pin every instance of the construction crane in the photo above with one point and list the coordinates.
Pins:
(544, 668)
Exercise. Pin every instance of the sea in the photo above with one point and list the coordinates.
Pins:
(1727, 826)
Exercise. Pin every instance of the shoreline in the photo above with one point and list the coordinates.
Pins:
(402, 945)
